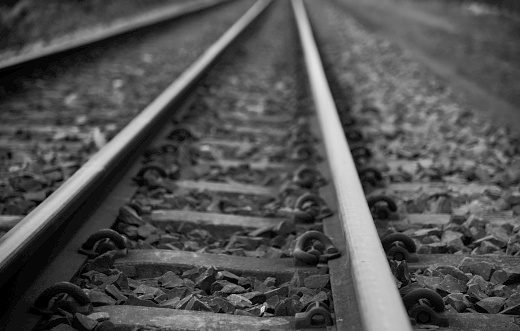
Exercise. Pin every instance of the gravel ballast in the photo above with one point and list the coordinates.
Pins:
(54, 120)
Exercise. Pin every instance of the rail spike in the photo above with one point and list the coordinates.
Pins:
(169, 149)
(181, 134)
(426, 306)
(171, 171)
(303, 152)
(381, 206)
(370, 175)
(400, 247)
(152, 166)
(305, 176)
(361, 154)
(308, 200)
(317, 315)
(309, 208)
(314, 247)
(80, 302)
(103, 241)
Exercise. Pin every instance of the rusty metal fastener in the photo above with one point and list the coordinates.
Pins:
(305, 176)
(80, 302)
(180, 135)
(308, 200)
(14, 181)
(152, 167)
(312, 253)
(360, 152)
(307, 208)
(353, 135)
(426, 307)
(303, 153)
(399, 247)
(370, 175)
(169, 149)
(317, 315)
(103, 241)
(382, 206)
(151, 153)
(171, 172)
(304, 216)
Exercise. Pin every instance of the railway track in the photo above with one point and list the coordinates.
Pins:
(39, 57)
(444, 187)
(216, 212)
(233, 202)
(60, 109)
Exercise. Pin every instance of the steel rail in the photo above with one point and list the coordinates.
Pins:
(25, 238)
(380, 304)
(19, 62)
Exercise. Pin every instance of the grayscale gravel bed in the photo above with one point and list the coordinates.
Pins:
(409, 115)
(64, 113)
(420, 131)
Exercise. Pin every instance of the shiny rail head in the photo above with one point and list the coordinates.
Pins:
(375, 287)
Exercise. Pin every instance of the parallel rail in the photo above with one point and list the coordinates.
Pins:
(374, 283)
(17, 245)
(429, 206)
(47, 53)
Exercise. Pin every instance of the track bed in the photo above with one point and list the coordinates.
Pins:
(233, 200)
(198, 226)
(444, 176)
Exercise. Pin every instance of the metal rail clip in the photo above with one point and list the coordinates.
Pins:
(303, 152)
(314, 247)
(181, 134)
(103, 241)
(370, 175)
(361, 155)
(306, 177)
(426, 306)
(382, 207)
(65, 296)
(317, 315)
(400, 247)
(309, 208)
